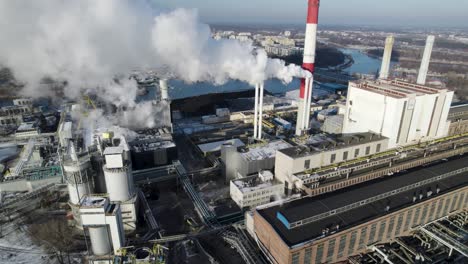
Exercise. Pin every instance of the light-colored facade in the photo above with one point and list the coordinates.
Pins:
(119, 181)
(23, 102)
(405, 113)
(333, 124)
(299, 159)
(239, 163)
(256, 190)
(13, 115)
(103, 220)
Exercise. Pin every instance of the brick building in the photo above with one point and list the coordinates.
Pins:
(331, 227)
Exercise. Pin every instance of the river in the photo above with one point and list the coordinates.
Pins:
(363, 63)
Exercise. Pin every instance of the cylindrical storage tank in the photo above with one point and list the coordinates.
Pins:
(77, 175)
(71, 166)
(100, 240)
(77, 191)
(164, 89)
(119, 184)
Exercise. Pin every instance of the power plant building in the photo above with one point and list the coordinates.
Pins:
(152, 148)
(405, 113)
(256, 190)
(244, 161)
(119, 177)
(329, 150)
(103, 221)
(458, 117)
(331, 227)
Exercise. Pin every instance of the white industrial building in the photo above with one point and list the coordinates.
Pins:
(405, 113)
(118, 177)
(256, 190)
(13, 115)
(325, 151)
(27, 130)
(244, 161)
(78, 175)
(103, 221)
(84, 179)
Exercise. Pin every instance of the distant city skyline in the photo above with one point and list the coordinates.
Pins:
(420, 13)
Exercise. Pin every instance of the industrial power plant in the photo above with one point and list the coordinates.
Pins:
(361, 169)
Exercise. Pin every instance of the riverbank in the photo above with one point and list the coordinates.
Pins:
(327, 56)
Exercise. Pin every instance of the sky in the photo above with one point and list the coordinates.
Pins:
(426, 13)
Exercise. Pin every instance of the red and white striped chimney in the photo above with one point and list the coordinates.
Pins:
(305, 94)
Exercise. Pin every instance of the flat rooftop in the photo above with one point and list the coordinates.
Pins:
(93, 201)
(329, 142)
(113, 150)
(395, 88)
(458, 112)
(152, 134)
(313, 206)
(26, 127)
(150, 146)
(254, 183)
(216, 146)
(265, 151)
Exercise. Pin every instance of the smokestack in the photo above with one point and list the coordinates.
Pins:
(387, 56)
(260, 118)
(257, 87)
(164, 89)
(305, 94)
(426, 60)
(309, 102)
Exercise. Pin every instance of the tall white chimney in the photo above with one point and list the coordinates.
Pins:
(260, 117)
(426, 60)
(164, 89)
(387, 57)
(257, 87)
(310, 83)
(258, 111)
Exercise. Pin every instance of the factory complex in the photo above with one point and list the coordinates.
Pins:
(375, 174)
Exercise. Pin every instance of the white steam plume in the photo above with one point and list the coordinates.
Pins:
(87, 43)
(186, 45)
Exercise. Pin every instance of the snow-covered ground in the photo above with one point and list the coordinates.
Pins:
(17, 247)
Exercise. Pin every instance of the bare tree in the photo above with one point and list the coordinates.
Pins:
(56, 237)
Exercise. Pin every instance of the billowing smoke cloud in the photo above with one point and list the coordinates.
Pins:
(87, 43)
(185, 44)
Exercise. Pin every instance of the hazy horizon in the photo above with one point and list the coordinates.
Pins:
(396, 13)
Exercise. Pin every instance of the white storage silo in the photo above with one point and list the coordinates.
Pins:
(77, 176)
(100, 241)
(119, 183)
